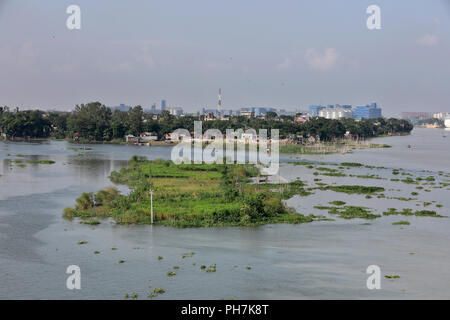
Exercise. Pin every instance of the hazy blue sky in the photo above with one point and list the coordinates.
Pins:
(287, 53)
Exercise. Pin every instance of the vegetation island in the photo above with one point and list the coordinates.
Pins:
(190, 195)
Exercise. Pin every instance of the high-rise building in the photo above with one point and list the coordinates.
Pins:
(219, 104)
(163, 105)
(336, 113)
(314, 110)
(176, 111)
(153, 108)
(367, 112)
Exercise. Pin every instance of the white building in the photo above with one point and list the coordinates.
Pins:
(441, 115)
(147, 136)
(336, 113)
(447, 122)
(176, 111)
(248, 114)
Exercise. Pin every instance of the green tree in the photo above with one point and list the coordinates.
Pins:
(135, 123)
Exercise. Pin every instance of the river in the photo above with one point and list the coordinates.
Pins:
(319, 260)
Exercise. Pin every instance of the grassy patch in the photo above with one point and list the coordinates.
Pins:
(409, 180)
(334, 174)
(188, 255)
(351, 164)
(326, 169)
(212, 268)
(131, 296)
(353, 189)
(410, 212)
(337, 203)
(401, 223)
(350, 212)
(90, 222)
(402, 198)
(158, 291)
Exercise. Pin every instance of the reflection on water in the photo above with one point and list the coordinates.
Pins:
(317, 260)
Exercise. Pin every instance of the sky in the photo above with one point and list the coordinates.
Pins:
(283, 54)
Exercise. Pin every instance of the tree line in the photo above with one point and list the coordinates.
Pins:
(96, 122)
(439, 122)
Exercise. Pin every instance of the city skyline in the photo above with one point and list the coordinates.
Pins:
(260, 53)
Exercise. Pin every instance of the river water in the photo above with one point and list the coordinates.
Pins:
(319, 260)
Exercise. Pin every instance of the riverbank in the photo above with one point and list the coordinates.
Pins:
(319, 148)
(165, 143)
(316, 148)
(331, 147)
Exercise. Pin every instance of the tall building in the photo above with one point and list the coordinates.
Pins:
(163, 105)
(367, 112)
(314, 110)
(336, 113)
(176, 111)
(153, 108)
(219, 104)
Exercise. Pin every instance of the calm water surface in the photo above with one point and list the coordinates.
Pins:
(325, 260)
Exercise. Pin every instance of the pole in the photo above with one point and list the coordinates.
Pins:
(151, 205)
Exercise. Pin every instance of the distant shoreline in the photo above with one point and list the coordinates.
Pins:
(340, 146)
